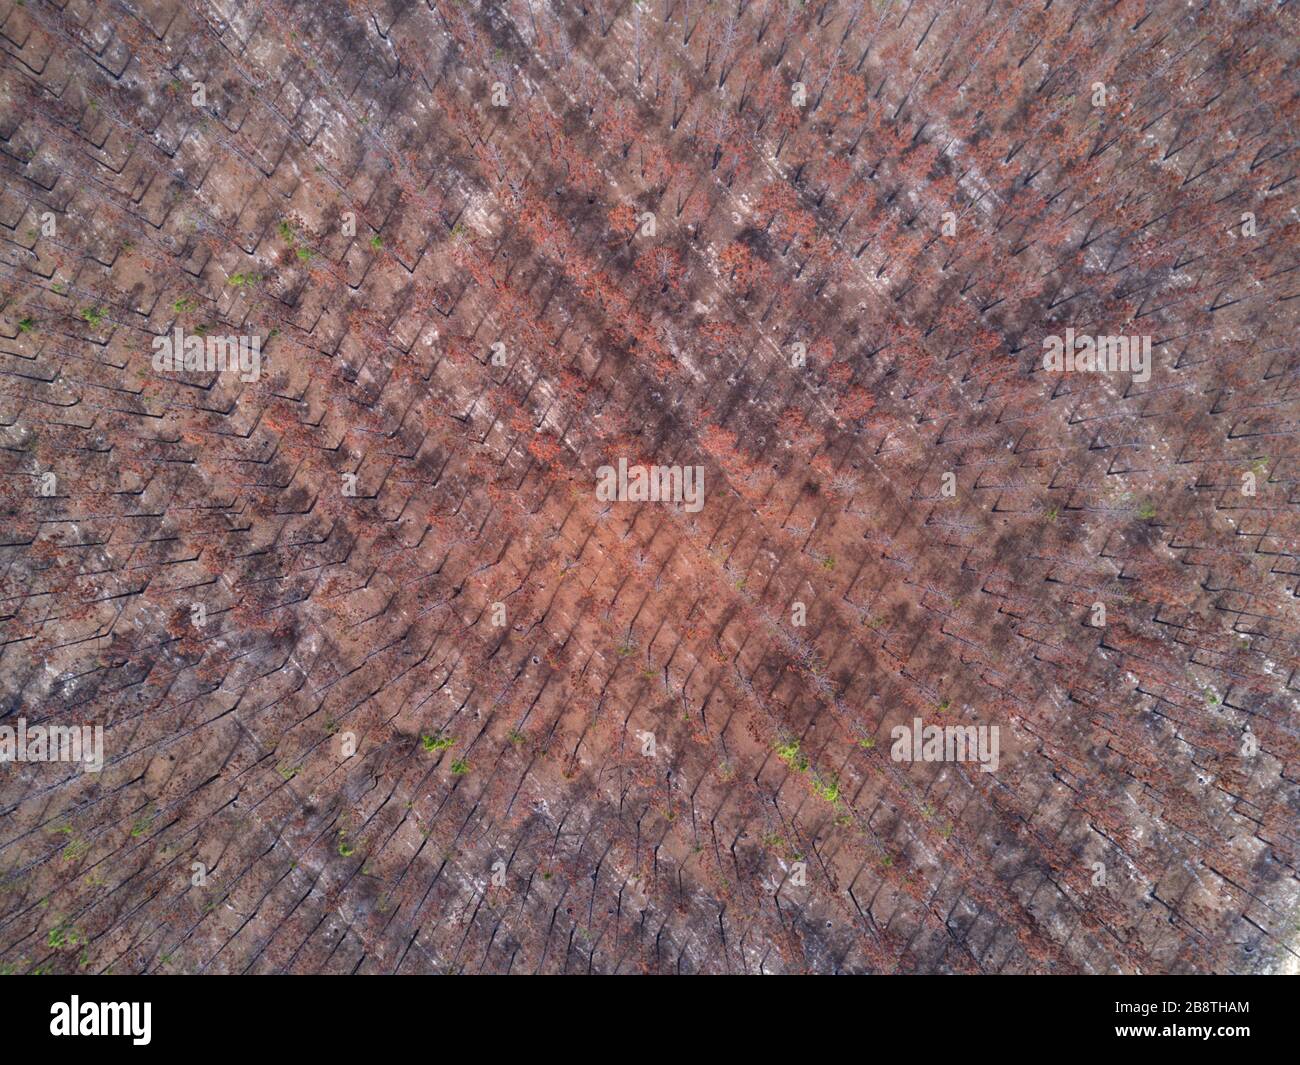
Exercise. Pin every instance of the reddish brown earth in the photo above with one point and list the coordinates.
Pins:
(498, 813)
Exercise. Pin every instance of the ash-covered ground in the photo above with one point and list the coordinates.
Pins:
(384, 684)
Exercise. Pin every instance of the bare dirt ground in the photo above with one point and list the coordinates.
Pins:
(386, 688)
